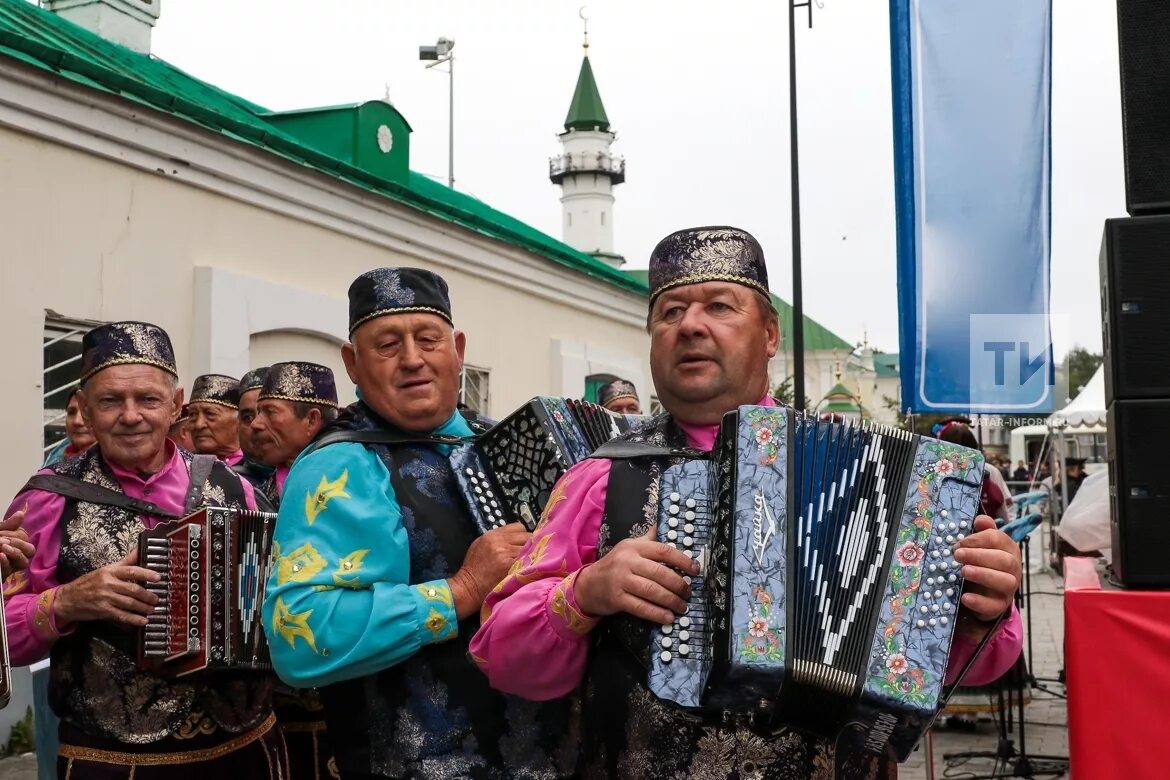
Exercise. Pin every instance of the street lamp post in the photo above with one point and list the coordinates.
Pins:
(442, 52)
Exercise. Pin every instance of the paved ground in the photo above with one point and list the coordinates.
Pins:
(1045, 716)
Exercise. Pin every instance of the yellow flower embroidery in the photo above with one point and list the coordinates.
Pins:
(439, 593)
(300, 565)
(573, 618)
(16, 582)
(292, 625)
(346, 574)
(326, 491)
(556, 497)
(436, 623)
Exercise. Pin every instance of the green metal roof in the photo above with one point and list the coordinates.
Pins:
(840, 400)
(44, 40)
(586, 111)
(816, 335)
(885, 364)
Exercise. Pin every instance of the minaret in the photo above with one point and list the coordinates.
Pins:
(587, 171)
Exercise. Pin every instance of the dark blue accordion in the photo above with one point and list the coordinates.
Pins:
(508, 474)
(828, 591)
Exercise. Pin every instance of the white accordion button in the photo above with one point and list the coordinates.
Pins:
(934, 607)
(935, 554)
(665, 656)
(938, 594)
(932, 621)
(672, 522)
(684, 649)
(687, 579)
(667, 641)
(675, 497)
(689, 515)
(688, 541)
(690, 503)
(952, 526)
(938, 540)
(950, 591)
(672, 534)
(926, 595)
(481, 475)
(684, 635)
(950, 539)
(962, 524)
(947, 607)
(922, 624)
(933, 567)
(923, 610)
(690, 529)
(673, 509)
(959, 537)
(944, 620)
(943, 513)
(684, 622)
(951, 578)
(930, 580)
(667, 628)
(469, 472)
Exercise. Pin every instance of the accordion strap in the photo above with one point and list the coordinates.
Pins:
(384, 437)
(617, 449)
(90, 493)
(201, 466)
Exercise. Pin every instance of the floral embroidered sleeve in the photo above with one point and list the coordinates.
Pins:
(29, 595)
(338, 604)
(533, 638)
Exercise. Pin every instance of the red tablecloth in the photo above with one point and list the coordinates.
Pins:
(1117, 661)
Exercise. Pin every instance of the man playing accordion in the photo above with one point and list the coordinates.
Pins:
(592, 581)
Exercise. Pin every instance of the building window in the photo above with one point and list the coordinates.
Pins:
(475, 388)
(61, 367)
(655, 405)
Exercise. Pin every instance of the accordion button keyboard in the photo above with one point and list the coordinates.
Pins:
(684, 622)
(684, 650)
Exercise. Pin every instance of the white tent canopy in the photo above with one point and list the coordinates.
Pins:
(1087, 410)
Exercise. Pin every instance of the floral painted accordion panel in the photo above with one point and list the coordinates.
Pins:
(507, 475)
(828, 591)
(214, 564)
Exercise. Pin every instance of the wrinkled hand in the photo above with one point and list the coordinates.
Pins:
(487, 562)
(113, 592)
(637, 577)
(15, 549)
(991, 568)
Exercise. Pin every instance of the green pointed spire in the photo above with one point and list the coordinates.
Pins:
(586, 111)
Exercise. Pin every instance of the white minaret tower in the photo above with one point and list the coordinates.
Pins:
(587, 171)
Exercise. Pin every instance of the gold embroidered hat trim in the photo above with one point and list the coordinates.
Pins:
(700, 278)
(128, 361)
(160, 759)
(215, 401)
(401, 310)
(311, 400)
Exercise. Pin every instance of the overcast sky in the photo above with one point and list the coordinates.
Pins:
(698, 94)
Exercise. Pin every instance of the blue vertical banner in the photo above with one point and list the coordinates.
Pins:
(972, 155)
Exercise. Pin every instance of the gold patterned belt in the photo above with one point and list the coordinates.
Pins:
(158, 759)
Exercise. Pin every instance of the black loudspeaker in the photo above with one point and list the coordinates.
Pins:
(1143, 32)
(1139, 490)
(1135, 306)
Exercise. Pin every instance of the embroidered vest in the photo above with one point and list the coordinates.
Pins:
(434, 715)
(628, 732)
(94, 681)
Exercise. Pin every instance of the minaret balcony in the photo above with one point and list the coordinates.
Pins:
(587, 162)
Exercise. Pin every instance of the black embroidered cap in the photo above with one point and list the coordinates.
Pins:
(253, 380)
(300, 382)
(126, 343)
(707, 254)
(216, 389)
(612, 391)
(397, 291)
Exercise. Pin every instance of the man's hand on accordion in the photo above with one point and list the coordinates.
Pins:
(112, 593)
(991, 568)
(15, 549)
(486, 563)
(639, 577)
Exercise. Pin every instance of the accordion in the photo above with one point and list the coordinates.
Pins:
(508, 474)
(827, 591)
(214, 564)
(5, 666)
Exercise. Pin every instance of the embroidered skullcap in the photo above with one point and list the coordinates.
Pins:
(707, 254)
(124, 344)
(299, 382)
(253, 380)
(612, 391)
(216, 389)
(386, 291)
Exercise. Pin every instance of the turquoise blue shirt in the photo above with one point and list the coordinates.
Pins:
(338, 604)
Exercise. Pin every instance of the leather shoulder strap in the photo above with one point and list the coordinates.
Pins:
(618, 449)
(382, 437)
(90, 493)
(201, 466)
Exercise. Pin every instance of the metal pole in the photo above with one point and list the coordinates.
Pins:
(451, 121)
(797, 297)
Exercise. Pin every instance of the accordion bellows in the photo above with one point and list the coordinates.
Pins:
(213, 565)
(828, 590)
(508, 474)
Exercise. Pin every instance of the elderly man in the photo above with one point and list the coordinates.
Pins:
(83, 598)
(594, 558)
(78, 437)
(381, 573)
(620, 397)
(250, 468)
(295, 402)
(214, 423)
